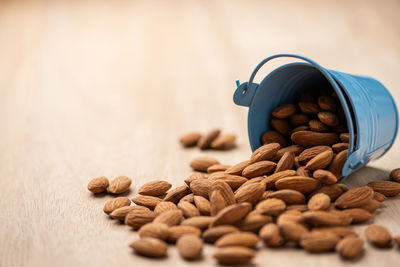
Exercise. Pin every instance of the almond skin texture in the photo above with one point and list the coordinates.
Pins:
(175, 232)
(328, 118)
(232, 214)
(194, 176)
(205, 141)
(349, 247)
(355, 197)
(201, 222)
(318, 126)
(378, 235)
(320, 161)
(202, 163)
(271, 179)
(319, 201)
(138, 218)
(200, 187)
(308, 107)
(165, 206)
(395, 175)
(290, 197)
(154, 188)
(190, 139)
(221, 196)
(246, 239)
(271, 206)
(116, 203)
(224, 142)
(296, 149)
(323, 218)
(189, 198)
(292, 231)
(327, 103)
(119, 185)
(250, 193)
(177, 193)
(318, 242)
(238, 168)
(188, 209)
(333, 191)
(150, 247)
(259, 168)
(345, 137)
(265, 152)
(310, 153)
(120, 213)
(271, 236)
(214, 233)
(286, 162)
(387, 188)
(358, 215)
(147, 201)
(284, 111)
(299, 183)
(203, 205)
(218, 168)
(309, 138)
(190, 247)
(273, 137)
(281, 126)
(299, 119)
(339, 147)
(337, 163)
(234, 181)
(325, 177)
(155, 230)
(98, 185)
(253, 221)
(170, 218)
(234, 255)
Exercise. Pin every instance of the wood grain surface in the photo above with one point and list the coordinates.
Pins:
(90, 88)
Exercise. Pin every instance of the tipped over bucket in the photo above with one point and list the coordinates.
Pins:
(369, 108)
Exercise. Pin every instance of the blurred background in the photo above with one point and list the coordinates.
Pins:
(99, 87)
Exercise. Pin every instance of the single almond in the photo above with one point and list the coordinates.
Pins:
(253, 221)
(234, 181)
(234, 255)
(289, 196)
(271, 206)
(202, 163)
(301, 171)
(299, 183)
(238, 168)
(349, 247)
(137, 218)
(218, 168)
(150, 247)
(175, 232)
(281, 126)
(290, 216)
(265, 152)
(200, 187)
(155, 230)
(284, 111)
(205, 141)
(309, 107)
(318, 242)
(271, 179)
(201, 222)
(194, 176)
(333, 191)
(203, 205)
(337, 163)
(325, 177)
(116, 203)
(299, 119)
(371, 205)
(154, 188)
(320, 161)
(232, 214)
(395, 175)
(245, 239)
(323, 218)
(120, 213)
(164, 206)
(189, 246)
(340, 231)
(188, 209)
(286, 162)
(328, 118)
(311, 152)
(319, 201)
(170, 217)
(273, 137)
(292, 231)
(190, 139)
(355, 197)
(221, 196)
(259, 168)
(147, 201)
(176, 194)
(309, 138)
(98, 185)
(378, 235)
(339, 147)
(387, 188)
(214, 233)
(271, 236)
(224, 142)
(119, 185)
(345, 137)
(358, 215)
(301, 128)
(327, 103)
(379, 197)
(188, 198)
(250, 193)
(318, 126)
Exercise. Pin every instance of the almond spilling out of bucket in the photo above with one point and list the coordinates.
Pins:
(285, 194)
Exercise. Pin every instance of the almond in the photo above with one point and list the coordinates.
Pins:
(98, 185)
(154, 188)
(339, 147)
(345, 137)
(259, 168)
(286, 162)
(119, 185)
(232, 214)
(250, 193)
(323, 218)
(218, 168)
(296, 149)
(221, 196)
(137, 218)
(318, 126)
(190, 247)
(224, 142)
(333, 191)
(378, 235)
(371, 205)
(273, 137)
(155, 230)
(205, 141)
(299, 119)
(327, 103)
(202, 163)
(120, 213)
(349, 247)
(395, 175)
(234, 255)
(271, 179)
(150, 247)
(358, 215)
(284, 111)
(188, 209)
(194, 176)
(116, 203)
(253, 221)
(337, 163)
(165, 206)
(328, 118)
(298, 207)
(201, 222)
(271, 236)
(309, 138)
(311, 152)
(188, 198)
(318, 241)
(301, 171)
(265, 152)
(170, 217)
(238, 168)
(290, 216)
(176, 194)
(387, 188)
(203, 205)
(147, 201)
(281, 126)
(299, 183)
(246, 239)
(340, 231)
(234, 181)
(308, 107)
(200, 187)
(379, 197)
(190, 139)
(271, 206)
(300, 128)
(214, 233)
(325, 177)
(175, 232)
(355, 197)
(319, 201)
(289, 196)
(292, 231)
(320, 161)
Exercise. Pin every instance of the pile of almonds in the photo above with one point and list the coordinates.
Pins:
(212, 139)
(286, 194)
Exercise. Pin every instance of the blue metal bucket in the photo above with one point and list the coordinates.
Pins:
(369, 108)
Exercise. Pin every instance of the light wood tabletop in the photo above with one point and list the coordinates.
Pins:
(105, 88)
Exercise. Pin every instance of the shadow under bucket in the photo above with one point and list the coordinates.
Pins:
(368, 106)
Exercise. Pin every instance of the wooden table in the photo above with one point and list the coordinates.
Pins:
(90, 88)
